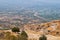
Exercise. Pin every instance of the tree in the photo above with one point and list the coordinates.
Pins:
(15, 29)
(43, 37)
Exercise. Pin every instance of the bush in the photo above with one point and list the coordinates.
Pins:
(43, 37)
(15, 29)
(12, 37)
(8, 36)
(23, 36)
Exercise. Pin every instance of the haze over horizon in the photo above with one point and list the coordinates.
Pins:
(28, 2)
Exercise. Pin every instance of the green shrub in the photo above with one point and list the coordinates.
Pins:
(15, 29)
(23, 36)
(43, 37)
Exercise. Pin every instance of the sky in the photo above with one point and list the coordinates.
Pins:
(27, 2)
(50, 1)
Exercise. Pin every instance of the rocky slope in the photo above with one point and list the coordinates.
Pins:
(49, 28)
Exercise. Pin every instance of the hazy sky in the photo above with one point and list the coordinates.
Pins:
(28, 2)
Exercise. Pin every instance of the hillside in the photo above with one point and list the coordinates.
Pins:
(52, 28)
